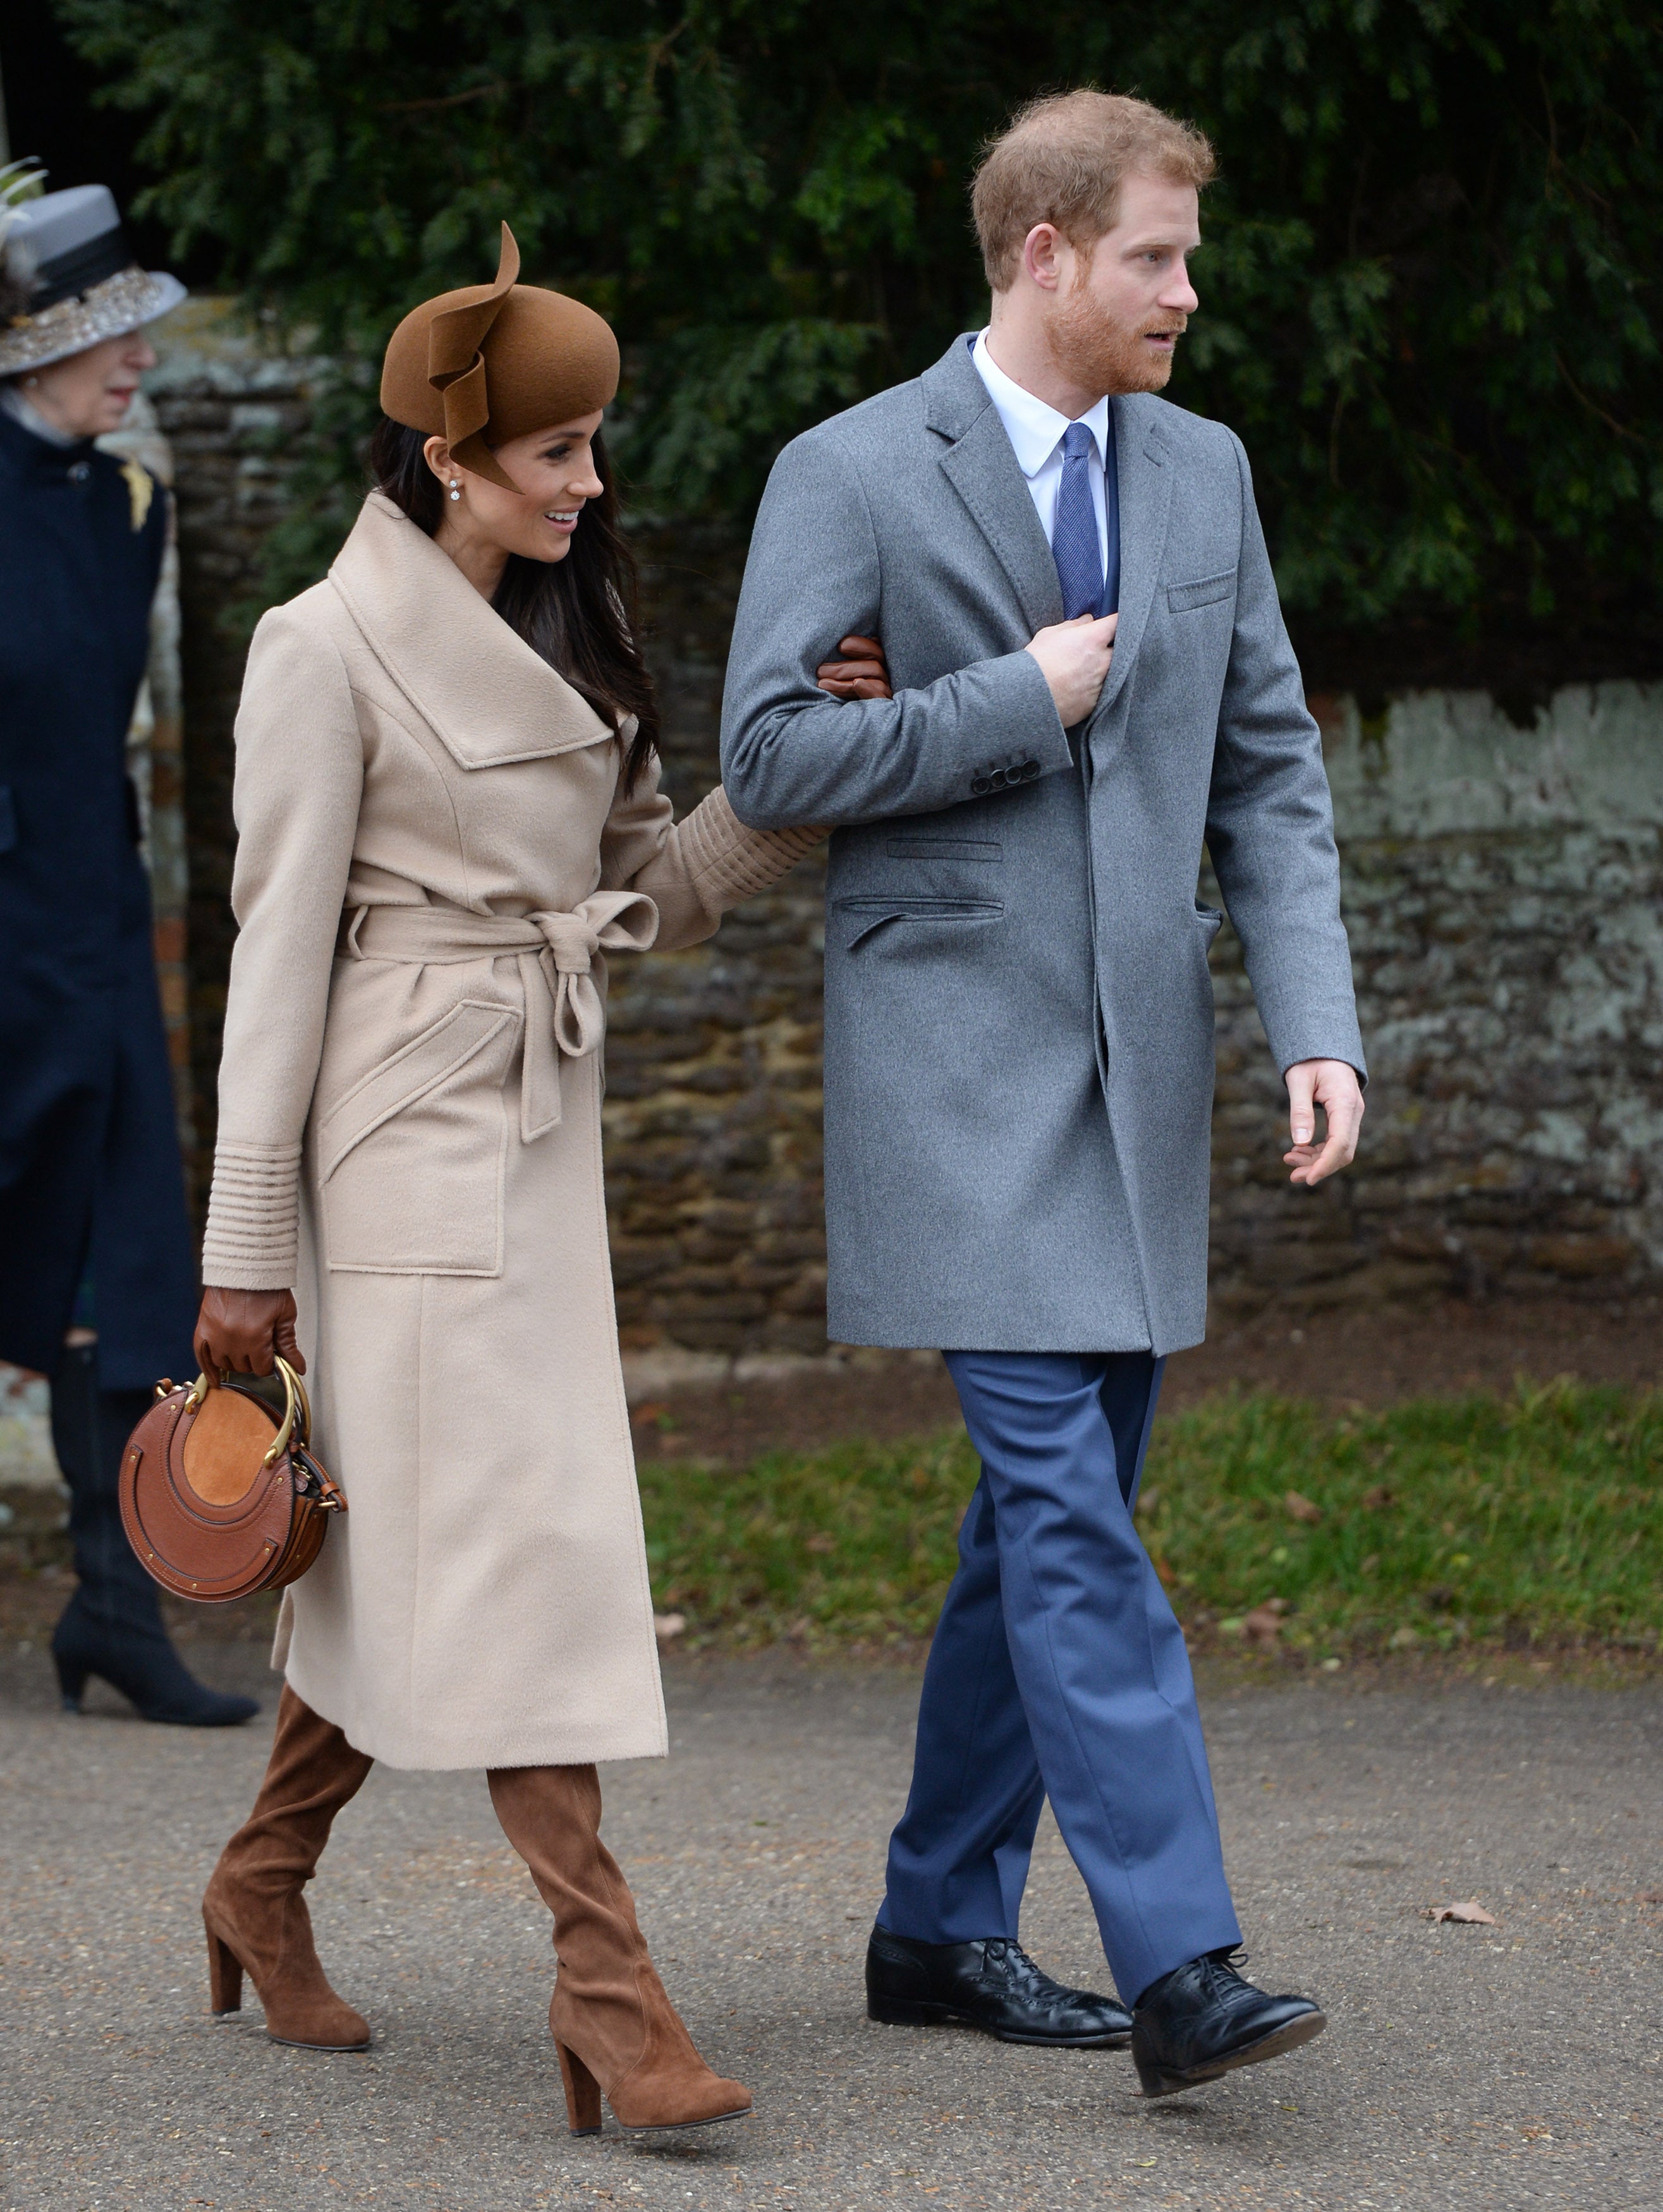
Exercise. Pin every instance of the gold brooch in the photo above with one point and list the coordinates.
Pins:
(141, 490)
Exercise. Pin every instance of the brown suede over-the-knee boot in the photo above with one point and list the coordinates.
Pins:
(615, 2026)
(255, 1908)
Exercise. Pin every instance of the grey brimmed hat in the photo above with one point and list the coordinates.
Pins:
(69, 256)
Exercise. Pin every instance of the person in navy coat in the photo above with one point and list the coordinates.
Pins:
(97, 1277)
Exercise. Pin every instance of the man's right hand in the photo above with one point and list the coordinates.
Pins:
(1073, 658)
(238, 1332)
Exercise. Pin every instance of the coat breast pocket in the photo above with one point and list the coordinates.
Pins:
(411, 1160)
(1203, 592)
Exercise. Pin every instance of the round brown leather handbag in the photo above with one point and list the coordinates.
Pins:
(220, 1493)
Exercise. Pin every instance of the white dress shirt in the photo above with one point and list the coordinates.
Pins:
(1035, 432)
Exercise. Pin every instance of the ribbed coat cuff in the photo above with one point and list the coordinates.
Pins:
(252, 1240)
(727, 862)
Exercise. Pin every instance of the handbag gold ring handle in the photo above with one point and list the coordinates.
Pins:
(293, 1395)
(295, 1400)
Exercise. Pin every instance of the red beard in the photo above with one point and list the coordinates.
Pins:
(1101, 354)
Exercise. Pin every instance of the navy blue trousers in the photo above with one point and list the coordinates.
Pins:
(1059, 1671)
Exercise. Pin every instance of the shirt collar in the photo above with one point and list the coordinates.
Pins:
(1035, 430)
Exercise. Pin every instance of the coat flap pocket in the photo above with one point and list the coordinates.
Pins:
(419, 1068)
(942, 848)
(1181, 598)
(874, 911)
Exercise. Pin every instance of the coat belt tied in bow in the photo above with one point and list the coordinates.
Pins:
(561, 959)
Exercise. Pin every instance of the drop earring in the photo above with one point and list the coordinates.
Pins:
(456, 487)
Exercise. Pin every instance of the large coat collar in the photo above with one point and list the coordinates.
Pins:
(983, 469)
(475, 681)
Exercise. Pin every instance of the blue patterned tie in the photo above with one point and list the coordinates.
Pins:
(1075, 545)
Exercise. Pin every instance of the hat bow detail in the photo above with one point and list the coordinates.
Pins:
(456, 369)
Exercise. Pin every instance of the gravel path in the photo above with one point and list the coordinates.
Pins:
(1515, 2066)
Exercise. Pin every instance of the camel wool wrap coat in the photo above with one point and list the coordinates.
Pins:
(434, 854)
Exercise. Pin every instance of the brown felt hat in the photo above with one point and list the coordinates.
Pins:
(496, 362)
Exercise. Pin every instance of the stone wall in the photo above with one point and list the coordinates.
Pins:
(713, 1070)
(229, 412)
(1502, 893)
(1502, 888)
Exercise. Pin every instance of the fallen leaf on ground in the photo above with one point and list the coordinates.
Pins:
(1264, 1624)
(1148, 1499)
(1299, 1508)
(1471, 1913)
(667, 1626)
(1377, 1499)
(1650, 1897)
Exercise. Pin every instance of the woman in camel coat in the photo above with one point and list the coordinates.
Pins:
(448, 810)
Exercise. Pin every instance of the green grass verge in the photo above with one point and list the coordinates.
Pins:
(1535, 1520)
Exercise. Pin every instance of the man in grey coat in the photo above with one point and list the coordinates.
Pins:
(1091, 678)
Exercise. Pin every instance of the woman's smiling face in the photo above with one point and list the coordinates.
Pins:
(556, 472)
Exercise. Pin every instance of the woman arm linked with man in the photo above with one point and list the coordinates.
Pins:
(448, 815)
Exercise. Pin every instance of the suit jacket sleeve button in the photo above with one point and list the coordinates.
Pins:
(978, 784)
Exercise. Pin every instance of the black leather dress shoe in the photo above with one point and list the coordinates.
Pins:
(1202, 2019)
(992, 1984)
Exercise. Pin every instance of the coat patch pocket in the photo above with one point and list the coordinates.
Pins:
(411, 1159)
(877, 910)
(1181, 598)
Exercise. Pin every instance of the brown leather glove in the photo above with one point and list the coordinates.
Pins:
(863, 672)
(241, 1332)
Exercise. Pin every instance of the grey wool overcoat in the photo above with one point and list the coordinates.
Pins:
(1018, 1012)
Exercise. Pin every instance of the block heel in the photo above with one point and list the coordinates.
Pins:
(224, 1977)
(582, 2093)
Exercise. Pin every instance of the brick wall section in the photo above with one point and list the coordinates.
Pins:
(1502, 888)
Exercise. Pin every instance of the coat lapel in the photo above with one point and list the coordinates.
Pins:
(1143, 460)
(983, 470)
(476, 683)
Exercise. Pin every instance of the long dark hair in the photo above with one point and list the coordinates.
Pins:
(579, 614)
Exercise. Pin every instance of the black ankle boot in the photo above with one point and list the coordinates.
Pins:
(992, 1984)
(1202, 2018)
(146, 1669)
(112, 1626)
